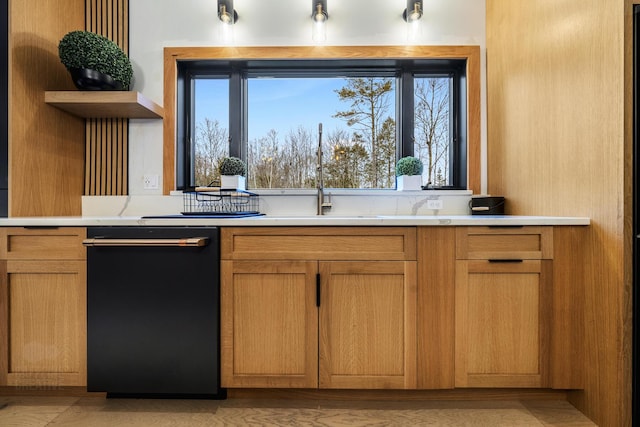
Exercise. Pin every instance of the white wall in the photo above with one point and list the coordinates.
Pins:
(155, 24)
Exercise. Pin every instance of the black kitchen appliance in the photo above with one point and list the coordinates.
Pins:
(153, 311)
(487, 205)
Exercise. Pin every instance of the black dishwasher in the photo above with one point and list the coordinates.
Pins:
(153, 298)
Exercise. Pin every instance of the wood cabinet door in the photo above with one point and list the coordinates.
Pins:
(368, 324)
(269, 324)
(43, 323)
(502, 320)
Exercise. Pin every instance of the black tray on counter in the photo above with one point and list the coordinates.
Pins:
(192, 215)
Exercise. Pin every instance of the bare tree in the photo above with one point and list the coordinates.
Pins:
(277, 163)
(299, 158)
(432, 127)
(264, 160)
(369, 105)
(211, 144)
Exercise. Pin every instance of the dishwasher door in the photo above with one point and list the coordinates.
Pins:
(153, 298)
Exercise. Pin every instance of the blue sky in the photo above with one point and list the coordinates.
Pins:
(277, 103)
(285, 104)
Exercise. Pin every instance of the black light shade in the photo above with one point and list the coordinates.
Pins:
(319, 10)
(226, 12)
(413, 12)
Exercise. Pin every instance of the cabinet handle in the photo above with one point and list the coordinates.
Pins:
(505, 260)
(183, 242)
(318, 290)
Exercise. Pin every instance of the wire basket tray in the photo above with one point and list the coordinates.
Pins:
(223, 202)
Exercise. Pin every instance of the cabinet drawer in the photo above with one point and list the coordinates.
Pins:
(17, 243)
(319, 243)
(504, 242)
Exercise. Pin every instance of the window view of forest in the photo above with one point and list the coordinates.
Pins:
(359, 132)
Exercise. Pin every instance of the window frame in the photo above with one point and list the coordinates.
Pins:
(239, 72)
(225, 56)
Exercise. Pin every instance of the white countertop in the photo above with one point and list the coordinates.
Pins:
(292, 221)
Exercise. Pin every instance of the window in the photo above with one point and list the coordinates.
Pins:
(268, 112)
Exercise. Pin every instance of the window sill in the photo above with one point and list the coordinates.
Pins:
(358, 192)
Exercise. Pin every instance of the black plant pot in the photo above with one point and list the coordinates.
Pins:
(86, 79)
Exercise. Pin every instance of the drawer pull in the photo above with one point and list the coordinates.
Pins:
(183, 242)
(505, 260)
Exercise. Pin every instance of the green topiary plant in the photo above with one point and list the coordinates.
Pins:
(409, 166)
(84, 50)
(233, 166)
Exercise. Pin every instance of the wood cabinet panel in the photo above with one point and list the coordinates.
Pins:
(567, 349)
(46, 147)
(46, 328)
(367, 325)
(502, 326)
(42, 243)
(269, 324)
(319, 243)
(504, 242)
(436, 307)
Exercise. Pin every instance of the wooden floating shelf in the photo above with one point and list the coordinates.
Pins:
(105, 104)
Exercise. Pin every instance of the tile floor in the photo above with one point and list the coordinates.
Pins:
(25, 411)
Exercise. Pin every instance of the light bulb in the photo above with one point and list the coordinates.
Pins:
(224, 15)
(413, 14)
(320, 15)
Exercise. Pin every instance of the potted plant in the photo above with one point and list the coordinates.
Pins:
(95, 62)
(409, 174)
(232, 173)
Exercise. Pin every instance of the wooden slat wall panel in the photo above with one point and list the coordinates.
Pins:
(107, 140)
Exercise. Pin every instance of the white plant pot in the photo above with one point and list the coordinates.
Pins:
(408, 182)
(233, 182)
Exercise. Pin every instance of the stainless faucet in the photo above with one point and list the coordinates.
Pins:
(321, 203)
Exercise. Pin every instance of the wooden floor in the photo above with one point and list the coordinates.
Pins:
(29, 411)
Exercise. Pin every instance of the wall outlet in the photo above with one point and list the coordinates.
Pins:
(435, 204)
(151, 182)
